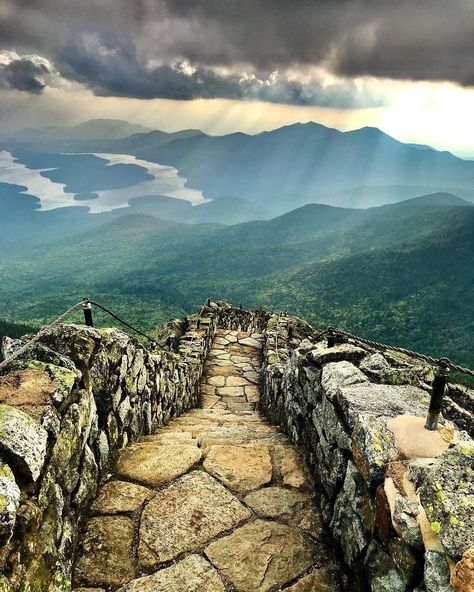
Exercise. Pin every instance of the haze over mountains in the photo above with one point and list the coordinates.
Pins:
(276, 170)
(289, 222)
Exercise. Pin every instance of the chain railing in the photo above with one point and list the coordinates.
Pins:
(86, 304)
(442, 365)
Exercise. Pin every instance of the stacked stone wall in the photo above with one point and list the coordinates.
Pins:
(67, 407)
(76, 399)
(400, 508)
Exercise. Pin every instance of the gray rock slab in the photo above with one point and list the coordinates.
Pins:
(186, 515)
(116, 497)
(337, 374)
(154, 464)
(22, 442)
(193, 574)
(379, 400)
(106, 552)
(261, 556)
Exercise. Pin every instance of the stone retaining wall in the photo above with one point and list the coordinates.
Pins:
(398, 499)
(76, 399)
(66, 409)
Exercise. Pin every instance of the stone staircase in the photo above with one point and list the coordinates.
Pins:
(216, 501)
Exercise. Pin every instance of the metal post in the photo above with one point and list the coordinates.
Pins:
(437, 393)
(331, 336)
(87, 308)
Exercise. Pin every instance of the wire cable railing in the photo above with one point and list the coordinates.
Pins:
(86, 305)
(443, 365)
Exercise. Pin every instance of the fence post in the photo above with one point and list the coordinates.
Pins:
(331, 337)
(437, 393)
(87, 308)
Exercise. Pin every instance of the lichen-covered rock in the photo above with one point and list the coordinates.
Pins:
(22, 442)
(379, 400)
(447, 494)
(89, 474)
(76, 342)
(67, 451)
(437, 573)
(64, 378)
(36, 352)
(337, 374)
(415, 375)
(382, 572)
(321, 355)
(374, 363)
(373, 447)
(106, 552)
(353, 518)
(9, 500)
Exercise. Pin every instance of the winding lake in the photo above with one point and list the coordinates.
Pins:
(165, 181)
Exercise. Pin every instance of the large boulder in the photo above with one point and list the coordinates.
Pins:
(379, 400)
(22, 442)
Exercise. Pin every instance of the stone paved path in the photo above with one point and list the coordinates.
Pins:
(216, 501)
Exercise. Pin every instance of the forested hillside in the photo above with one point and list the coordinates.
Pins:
(401, 273)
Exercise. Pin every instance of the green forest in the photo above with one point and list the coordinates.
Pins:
(400, 273)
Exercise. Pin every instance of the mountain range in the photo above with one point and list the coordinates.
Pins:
(353, 229)
(277, 170)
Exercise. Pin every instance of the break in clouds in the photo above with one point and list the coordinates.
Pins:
(303, 53)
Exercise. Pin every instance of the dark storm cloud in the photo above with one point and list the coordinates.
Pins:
(115, 70)
(24, 74)
(131, 48)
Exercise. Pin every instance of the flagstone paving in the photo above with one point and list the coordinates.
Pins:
(217, 501)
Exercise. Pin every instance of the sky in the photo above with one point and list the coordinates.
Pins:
(406, 66)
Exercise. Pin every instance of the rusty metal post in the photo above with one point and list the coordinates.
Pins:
(437, 393)
(87, 309)
(331, 337)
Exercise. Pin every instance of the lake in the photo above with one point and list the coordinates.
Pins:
(161, 181)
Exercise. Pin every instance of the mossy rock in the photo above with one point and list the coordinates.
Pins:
(22, 441)
(447, 494)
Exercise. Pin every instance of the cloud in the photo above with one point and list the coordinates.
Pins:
(24, 74)
(29, 73)
(115, 70)
(234, 48)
